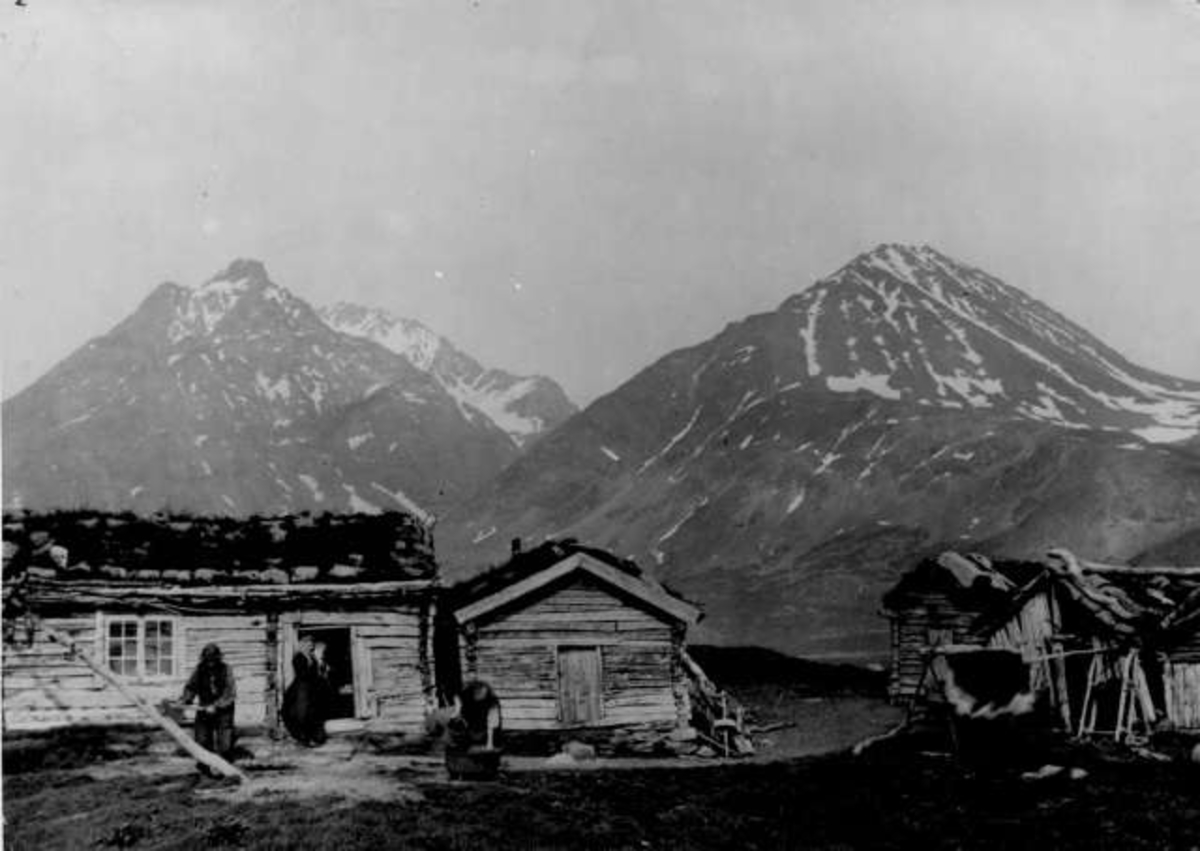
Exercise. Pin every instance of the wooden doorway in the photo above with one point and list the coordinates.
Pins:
(339, 667)
(579, 685)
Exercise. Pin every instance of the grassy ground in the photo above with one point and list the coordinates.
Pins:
(890, 799)
(81, 791)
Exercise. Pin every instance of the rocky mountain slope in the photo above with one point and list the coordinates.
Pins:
(235, 397)
(784, 472)
(524, 407)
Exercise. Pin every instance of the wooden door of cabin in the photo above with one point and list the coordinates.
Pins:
(579, 685)
(362, 683)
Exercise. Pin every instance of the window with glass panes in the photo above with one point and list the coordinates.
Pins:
(142, 646)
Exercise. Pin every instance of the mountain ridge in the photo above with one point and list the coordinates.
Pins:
(525, 407)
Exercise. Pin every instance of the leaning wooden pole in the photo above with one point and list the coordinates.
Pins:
(176, 732)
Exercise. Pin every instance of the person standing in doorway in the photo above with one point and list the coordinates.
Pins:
(326, 695)
(303, 714)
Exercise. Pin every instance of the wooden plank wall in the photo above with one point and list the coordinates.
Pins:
(517, 654)
(913, 631)
(1181, 684)
(43, 689)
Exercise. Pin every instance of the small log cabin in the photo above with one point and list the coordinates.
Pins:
(937, 603)
(144, 595)
(577, 643)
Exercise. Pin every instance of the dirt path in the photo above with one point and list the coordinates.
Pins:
(346, 770)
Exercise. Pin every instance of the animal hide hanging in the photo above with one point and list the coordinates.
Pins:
(985, 684)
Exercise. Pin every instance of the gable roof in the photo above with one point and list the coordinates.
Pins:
(528, 572)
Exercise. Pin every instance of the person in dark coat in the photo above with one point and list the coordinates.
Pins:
(212, 686)
(304, 699)
(326, 693)
(477, 717)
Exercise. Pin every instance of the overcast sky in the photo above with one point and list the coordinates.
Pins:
(576, 188)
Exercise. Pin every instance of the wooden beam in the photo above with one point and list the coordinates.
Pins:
(176, 732)
(306, 589)
(1146, 570)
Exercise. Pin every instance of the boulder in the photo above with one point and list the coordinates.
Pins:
(305, 574)
(579, 751)
(276, 576)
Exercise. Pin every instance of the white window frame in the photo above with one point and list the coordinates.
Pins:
(104, 621)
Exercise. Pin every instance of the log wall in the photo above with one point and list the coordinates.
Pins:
(517, 653)
(1181, 686)
(42, 688)
(916, 630)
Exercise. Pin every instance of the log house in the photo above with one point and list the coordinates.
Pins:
(146, 594)
(577, 643)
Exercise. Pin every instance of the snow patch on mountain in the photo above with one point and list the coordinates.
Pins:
(862, 380)
(498, 405)
(280, 389)
(809, 334)
(670, 444)
(404, 501)
(313, 486)
(1163, 434)
(358, 504)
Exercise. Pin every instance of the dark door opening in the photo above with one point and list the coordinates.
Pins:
(336, 641)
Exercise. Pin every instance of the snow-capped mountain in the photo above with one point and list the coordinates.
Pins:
(524, 407)
(785, 471)
(911, 323)
(233, 396)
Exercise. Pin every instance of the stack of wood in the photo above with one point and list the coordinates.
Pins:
(718, 719)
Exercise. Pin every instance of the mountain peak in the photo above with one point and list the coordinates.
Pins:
(205, 306)
(906, 322)
(243, 270)
(905, 262)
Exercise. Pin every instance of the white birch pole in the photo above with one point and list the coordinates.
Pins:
(176, 732)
